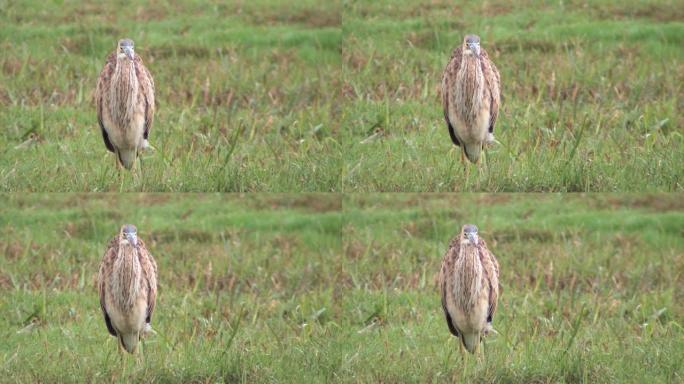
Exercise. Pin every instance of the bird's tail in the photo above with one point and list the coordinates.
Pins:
(472, 152)
(470, 341)
(129, 342)
(127, 158)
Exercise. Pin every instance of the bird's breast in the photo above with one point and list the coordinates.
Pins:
(131, 319)
(126, 279)
(124, 112)
(468, 102)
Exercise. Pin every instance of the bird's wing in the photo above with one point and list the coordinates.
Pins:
(147, 86)
(447, 78)
(101, 90)
(149, 267)
(493, 79)
(447, 266)
(105, 273)
(491, 274)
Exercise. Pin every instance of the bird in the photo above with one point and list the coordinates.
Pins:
(471, 97)
(125, 104)
(469, 284)
(127, 284)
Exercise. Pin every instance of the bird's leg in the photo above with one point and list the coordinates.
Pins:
(464, 359)
(139, 356)
(142, 172)
(479, 353)
(485, 160)
(147, 148)
(479, 169)
(126, 367)
(455, 377)
(464, 161)
(122, 178)
(120, 170)
(134, 172)
(124, 359)
(482, 351)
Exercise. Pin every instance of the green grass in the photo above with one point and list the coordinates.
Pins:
(273, 96)
(326, 288)
(240, 280)
(245, 95)
(592, 287)
(592, 95)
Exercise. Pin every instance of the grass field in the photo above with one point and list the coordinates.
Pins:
(324, 288)
(295, 98)
(240, 279)
(593, 94)
(275, 96)
(246, 94)
(592, 287)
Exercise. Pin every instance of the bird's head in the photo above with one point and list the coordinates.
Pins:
(469, 234)
(471, 45)
(129, 235)
(125, 49)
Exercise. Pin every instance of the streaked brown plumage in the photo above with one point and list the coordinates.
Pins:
(127, 284)
(469, 284)
(471, 97)
(125, 103)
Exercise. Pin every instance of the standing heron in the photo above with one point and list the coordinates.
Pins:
(471, 97)
(469, 283)
(125, 103)
(128, 288)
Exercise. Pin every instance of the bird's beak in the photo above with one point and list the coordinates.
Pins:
(473, 238)
(132, 239)
(129, 52)
(476, 49)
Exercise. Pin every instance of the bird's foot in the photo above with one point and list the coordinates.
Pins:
(490, 140)
(489, 329)
(147, 148)
(147, 330)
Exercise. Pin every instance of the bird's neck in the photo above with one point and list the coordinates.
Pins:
(468, 270)
(124, 90)
(127, 272)
(471, 81)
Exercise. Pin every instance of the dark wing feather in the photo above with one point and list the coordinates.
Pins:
(450, 323)
(149, 267)
(444, 274)
(491, 270)
(447, 78)
(105, 272)
(493, 79)
(103, 83)
(105, 138)
(147, 87)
